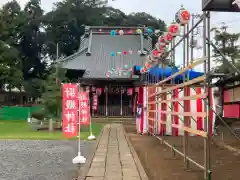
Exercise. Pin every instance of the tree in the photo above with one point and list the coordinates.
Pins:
(10, 74)
(52, 97)
(10, 71)
(32, 41)
(227, 43)
(65, 24)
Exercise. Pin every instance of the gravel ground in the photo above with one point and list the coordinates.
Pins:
(40, 160)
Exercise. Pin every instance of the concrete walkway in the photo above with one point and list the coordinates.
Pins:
(113, 159)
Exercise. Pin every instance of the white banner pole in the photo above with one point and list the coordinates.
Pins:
(79, 159)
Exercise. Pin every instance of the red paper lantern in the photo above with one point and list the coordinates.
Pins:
(183, 16)
(155, 53)
(168, 37)
(143, 70)
(174, 29)
(159, 48)
(130, 91)
(147, 65)
(161, 40)
(130, 32)
(99, 91)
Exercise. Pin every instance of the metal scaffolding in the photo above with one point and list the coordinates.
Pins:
(158, 96)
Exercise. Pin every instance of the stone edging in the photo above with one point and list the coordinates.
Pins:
(138, 163)
(83, 173)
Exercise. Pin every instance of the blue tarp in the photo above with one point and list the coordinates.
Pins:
(168, 71)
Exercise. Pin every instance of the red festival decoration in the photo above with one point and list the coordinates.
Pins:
(95, 102)
(70, 109)
(130, 91)
(174, 29)
(130, 32)
(161, 41)
(183, 16)
(99, 91)
(168, 37)
(155, 52)
(84, 113)
(147, 65)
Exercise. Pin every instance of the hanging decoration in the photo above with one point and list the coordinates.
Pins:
(130, 32)
(125, 52)
(120, 71)
(139, 31)
(161, 51)
(121, 32)
(155, 52)
(99, 91)
(143, 70)
(182, 16)
(174, 29)
(167, 37)
(130, 91)
(161, 41)
(113, 32)
(150, 31)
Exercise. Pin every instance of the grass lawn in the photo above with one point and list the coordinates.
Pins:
(14, 129)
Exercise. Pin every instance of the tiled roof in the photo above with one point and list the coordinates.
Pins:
(100, 61)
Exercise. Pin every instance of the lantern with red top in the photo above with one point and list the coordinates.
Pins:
(143, 70)
(160, 48)
(174, 29)
(130, 91)
(147, 65)
(155, 53)
(161, 41)
(167, 37)
(183, 16)
(99, 91)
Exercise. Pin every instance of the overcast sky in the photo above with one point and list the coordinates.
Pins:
(163, 9)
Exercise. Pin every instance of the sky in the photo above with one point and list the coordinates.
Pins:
(165, 10)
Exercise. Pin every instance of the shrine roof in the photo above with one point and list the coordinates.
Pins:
(101, 61)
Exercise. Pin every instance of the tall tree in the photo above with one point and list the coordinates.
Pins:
(227, 43)
(10, 71)
(32, 41)
(65, 24)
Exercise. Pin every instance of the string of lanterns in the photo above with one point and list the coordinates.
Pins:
(161, 49)
(137, 31)
(125, 52)
(120, 71)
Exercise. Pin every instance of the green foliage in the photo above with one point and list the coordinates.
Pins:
(28, 41)
(227, 44)
(52, 97)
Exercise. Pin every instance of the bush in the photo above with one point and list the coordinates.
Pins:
(38, 115)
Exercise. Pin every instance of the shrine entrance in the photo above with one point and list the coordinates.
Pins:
(112, 100)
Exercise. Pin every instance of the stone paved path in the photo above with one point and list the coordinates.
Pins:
(113, 159)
